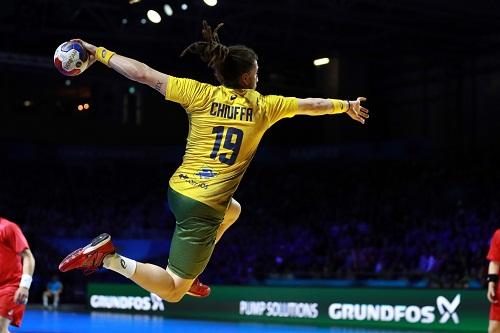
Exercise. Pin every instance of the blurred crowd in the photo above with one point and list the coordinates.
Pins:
(343, 219)
(426, 221)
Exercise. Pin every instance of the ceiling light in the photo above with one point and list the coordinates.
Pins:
(321, 61)
(168, 10)
(210, 3)
(153, 16)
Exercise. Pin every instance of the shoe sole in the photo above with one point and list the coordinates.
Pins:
(197, 295)
(97, 242)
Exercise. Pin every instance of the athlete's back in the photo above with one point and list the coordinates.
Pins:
(225, 128)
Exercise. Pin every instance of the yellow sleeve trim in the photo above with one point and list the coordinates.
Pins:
(295, 107)
(168, 88)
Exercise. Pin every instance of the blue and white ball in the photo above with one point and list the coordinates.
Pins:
(71, 58)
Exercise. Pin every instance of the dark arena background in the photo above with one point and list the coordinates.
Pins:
(344, 227)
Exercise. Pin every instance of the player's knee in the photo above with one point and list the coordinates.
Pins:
(172, 297)
(234, 210)
(494, 326)
(4, 325)
(238, 210)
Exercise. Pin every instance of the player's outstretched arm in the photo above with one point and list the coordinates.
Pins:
(22, 293)
(130, 68)
(322, 106)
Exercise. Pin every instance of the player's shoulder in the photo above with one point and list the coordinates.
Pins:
(253, 95)
(8, 228)
(496, 235)
(260, 98)
(4, 223)
(272, 99)
(188, 81)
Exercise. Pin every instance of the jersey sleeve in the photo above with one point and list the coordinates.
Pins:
(17, 241)
(187, 92)
(494, 252)
(279, 107)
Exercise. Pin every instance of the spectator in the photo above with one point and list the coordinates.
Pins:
(54, 289)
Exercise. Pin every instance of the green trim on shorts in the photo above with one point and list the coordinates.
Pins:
(193, 240)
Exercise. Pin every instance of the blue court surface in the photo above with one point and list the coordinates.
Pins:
(37, 321)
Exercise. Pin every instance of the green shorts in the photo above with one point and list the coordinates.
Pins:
(194, 237)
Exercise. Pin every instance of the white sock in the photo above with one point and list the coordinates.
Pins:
(120, 264)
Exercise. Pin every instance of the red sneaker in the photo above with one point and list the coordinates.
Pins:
(198, 289)
(90, 257)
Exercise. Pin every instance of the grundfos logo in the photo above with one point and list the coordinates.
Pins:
(151, 303)
(448, 309)
(409, 313)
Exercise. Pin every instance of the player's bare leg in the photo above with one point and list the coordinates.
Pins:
(4, 325)
(494, 326)
(101, 253)
(45, 297)
(232, 214)
(162, 282)
(56, 301)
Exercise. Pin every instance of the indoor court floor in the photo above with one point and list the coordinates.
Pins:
(38, 321)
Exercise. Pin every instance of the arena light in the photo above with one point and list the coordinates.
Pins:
(210, 3)
(153, 16)
(168, 10)
(321, 61)
(184, 6)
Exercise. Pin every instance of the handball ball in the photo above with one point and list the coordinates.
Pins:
(71, 58)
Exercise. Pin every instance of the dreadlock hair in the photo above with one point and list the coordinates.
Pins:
(228, 62)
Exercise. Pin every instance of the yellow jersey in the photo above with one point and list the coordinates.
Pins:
(225, 128)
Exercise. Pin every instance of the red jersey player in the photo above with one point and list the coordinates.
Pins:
(493, 270)
(17, 266)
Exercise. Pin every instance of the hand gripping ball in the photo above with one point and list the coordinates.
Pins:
(71, 58)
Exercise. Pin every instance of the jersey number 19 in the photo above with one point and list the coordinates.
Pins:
(234, 137)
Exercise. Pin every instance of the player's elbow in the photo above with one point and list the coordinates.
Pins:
(27, 255)
(138, 71)
(142, 73)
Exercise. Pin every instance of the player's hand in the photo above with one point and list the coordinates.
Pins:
(491, 295)
(90, 49)
(21, 295)
(358, 112)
